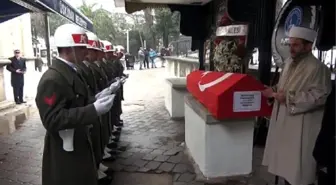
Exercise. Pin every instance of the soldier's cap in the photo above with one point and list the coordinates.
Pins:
(17, 51)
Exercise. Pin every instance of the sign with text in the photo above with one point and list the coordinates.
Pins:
(246, 101)
(232, 30)
(63, 8)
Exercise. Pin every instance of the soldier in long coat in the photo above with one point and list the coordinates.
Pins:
(300, 96)
(114, 74)
(103, 82)
(67, 111)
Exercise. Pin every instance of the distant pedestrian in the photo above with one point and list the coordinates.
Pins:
(38, 63)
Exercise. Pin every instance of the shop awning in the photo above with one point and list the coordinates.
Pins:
(9, 10)
(64, 9)
(12, 8)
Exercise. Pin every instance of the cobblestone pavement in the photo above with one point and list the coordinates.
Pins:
(154, 151)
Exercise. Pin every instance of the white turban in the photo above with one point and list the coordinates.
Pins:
(303, 33)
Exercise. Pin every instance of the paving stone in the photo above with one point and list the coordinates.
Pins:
(5, 173)
(125, 155)
(140, 163)
(176, 176)
(173, 151)
(200, 183)
(186, 177)
(146, 150)
(161, 158)
(28, 170)
(9, 166)
(144, 170)
(131, 168)
(123, 178)
(116, 167)
(157, 152)
(166, 167)
(176, 158)
(138, 155)
(153, 165)
(37, 181)
(180, 183)
(180, 168)
(21, 177)
(149, 157)
(128, 161)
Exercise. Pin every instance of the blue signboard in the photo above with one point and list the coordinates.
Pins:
(294, 18)
(63, 8)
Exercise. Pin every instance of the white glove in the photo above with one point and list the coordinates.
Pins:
(68, 139)
(103, 93)
(104, 104)
(115, 86)
(123, 80)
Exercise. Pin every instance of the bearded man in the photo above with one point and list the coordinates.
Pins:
(300, 96)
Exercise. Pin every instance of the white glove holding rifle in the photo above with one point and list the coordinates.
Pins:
(123, 80)
(104, 104)
(115, 86)
(103, 93)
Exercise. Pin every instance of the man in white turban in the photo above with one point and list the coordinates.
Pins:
(300, 96)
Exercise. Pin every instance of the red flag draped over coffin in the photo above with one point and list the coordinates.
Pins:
(228, 95)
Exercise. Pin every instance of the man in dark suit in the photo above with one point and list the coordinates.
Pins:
(18, 68)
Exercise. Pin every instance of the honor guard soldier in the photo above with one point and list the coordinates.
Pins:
(110, 141)
(111, 58)
(98, 131)
(120, 68)
(67, 111)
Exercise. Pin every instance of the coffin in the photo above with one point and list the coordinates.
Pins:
(228, 95)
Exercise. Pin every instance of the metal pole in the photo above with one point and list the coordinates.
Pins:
(47, 38)
(331, 59)
(201, 55)
(128, 41)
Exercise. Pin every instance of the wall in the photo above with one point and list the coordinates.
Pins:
(16, 34)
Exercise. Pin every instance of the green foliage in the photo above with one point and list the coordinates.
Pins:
(38, 26)
(167, 25)
(102, 20)
(154, 27)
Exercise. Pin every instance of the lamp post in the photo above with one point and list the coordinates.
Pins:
(127, 41)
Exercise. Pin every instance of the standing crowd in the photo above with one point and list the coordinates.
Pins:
(79, 101)
(148, 55)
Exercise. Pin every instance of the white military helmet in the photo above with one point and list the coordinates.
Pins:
(93, 41)
(70, 35)
(120, 48)
(108, 46)
(102, 46)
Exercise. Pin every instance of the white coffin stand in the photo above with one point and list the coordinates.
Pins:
(220, 150)
(176, 89)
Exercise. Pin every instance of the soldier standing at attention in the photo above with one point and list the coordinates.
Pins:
(67, 111)
(97, 131)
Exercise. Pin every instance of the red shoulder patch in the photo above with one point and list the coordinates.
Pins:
(50, 100)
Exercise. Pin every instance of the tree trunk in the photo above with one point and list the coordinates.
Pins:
(165, 38)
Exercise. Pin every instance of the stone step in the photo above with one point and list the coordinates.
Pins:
(6, 105)
(12, 118)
